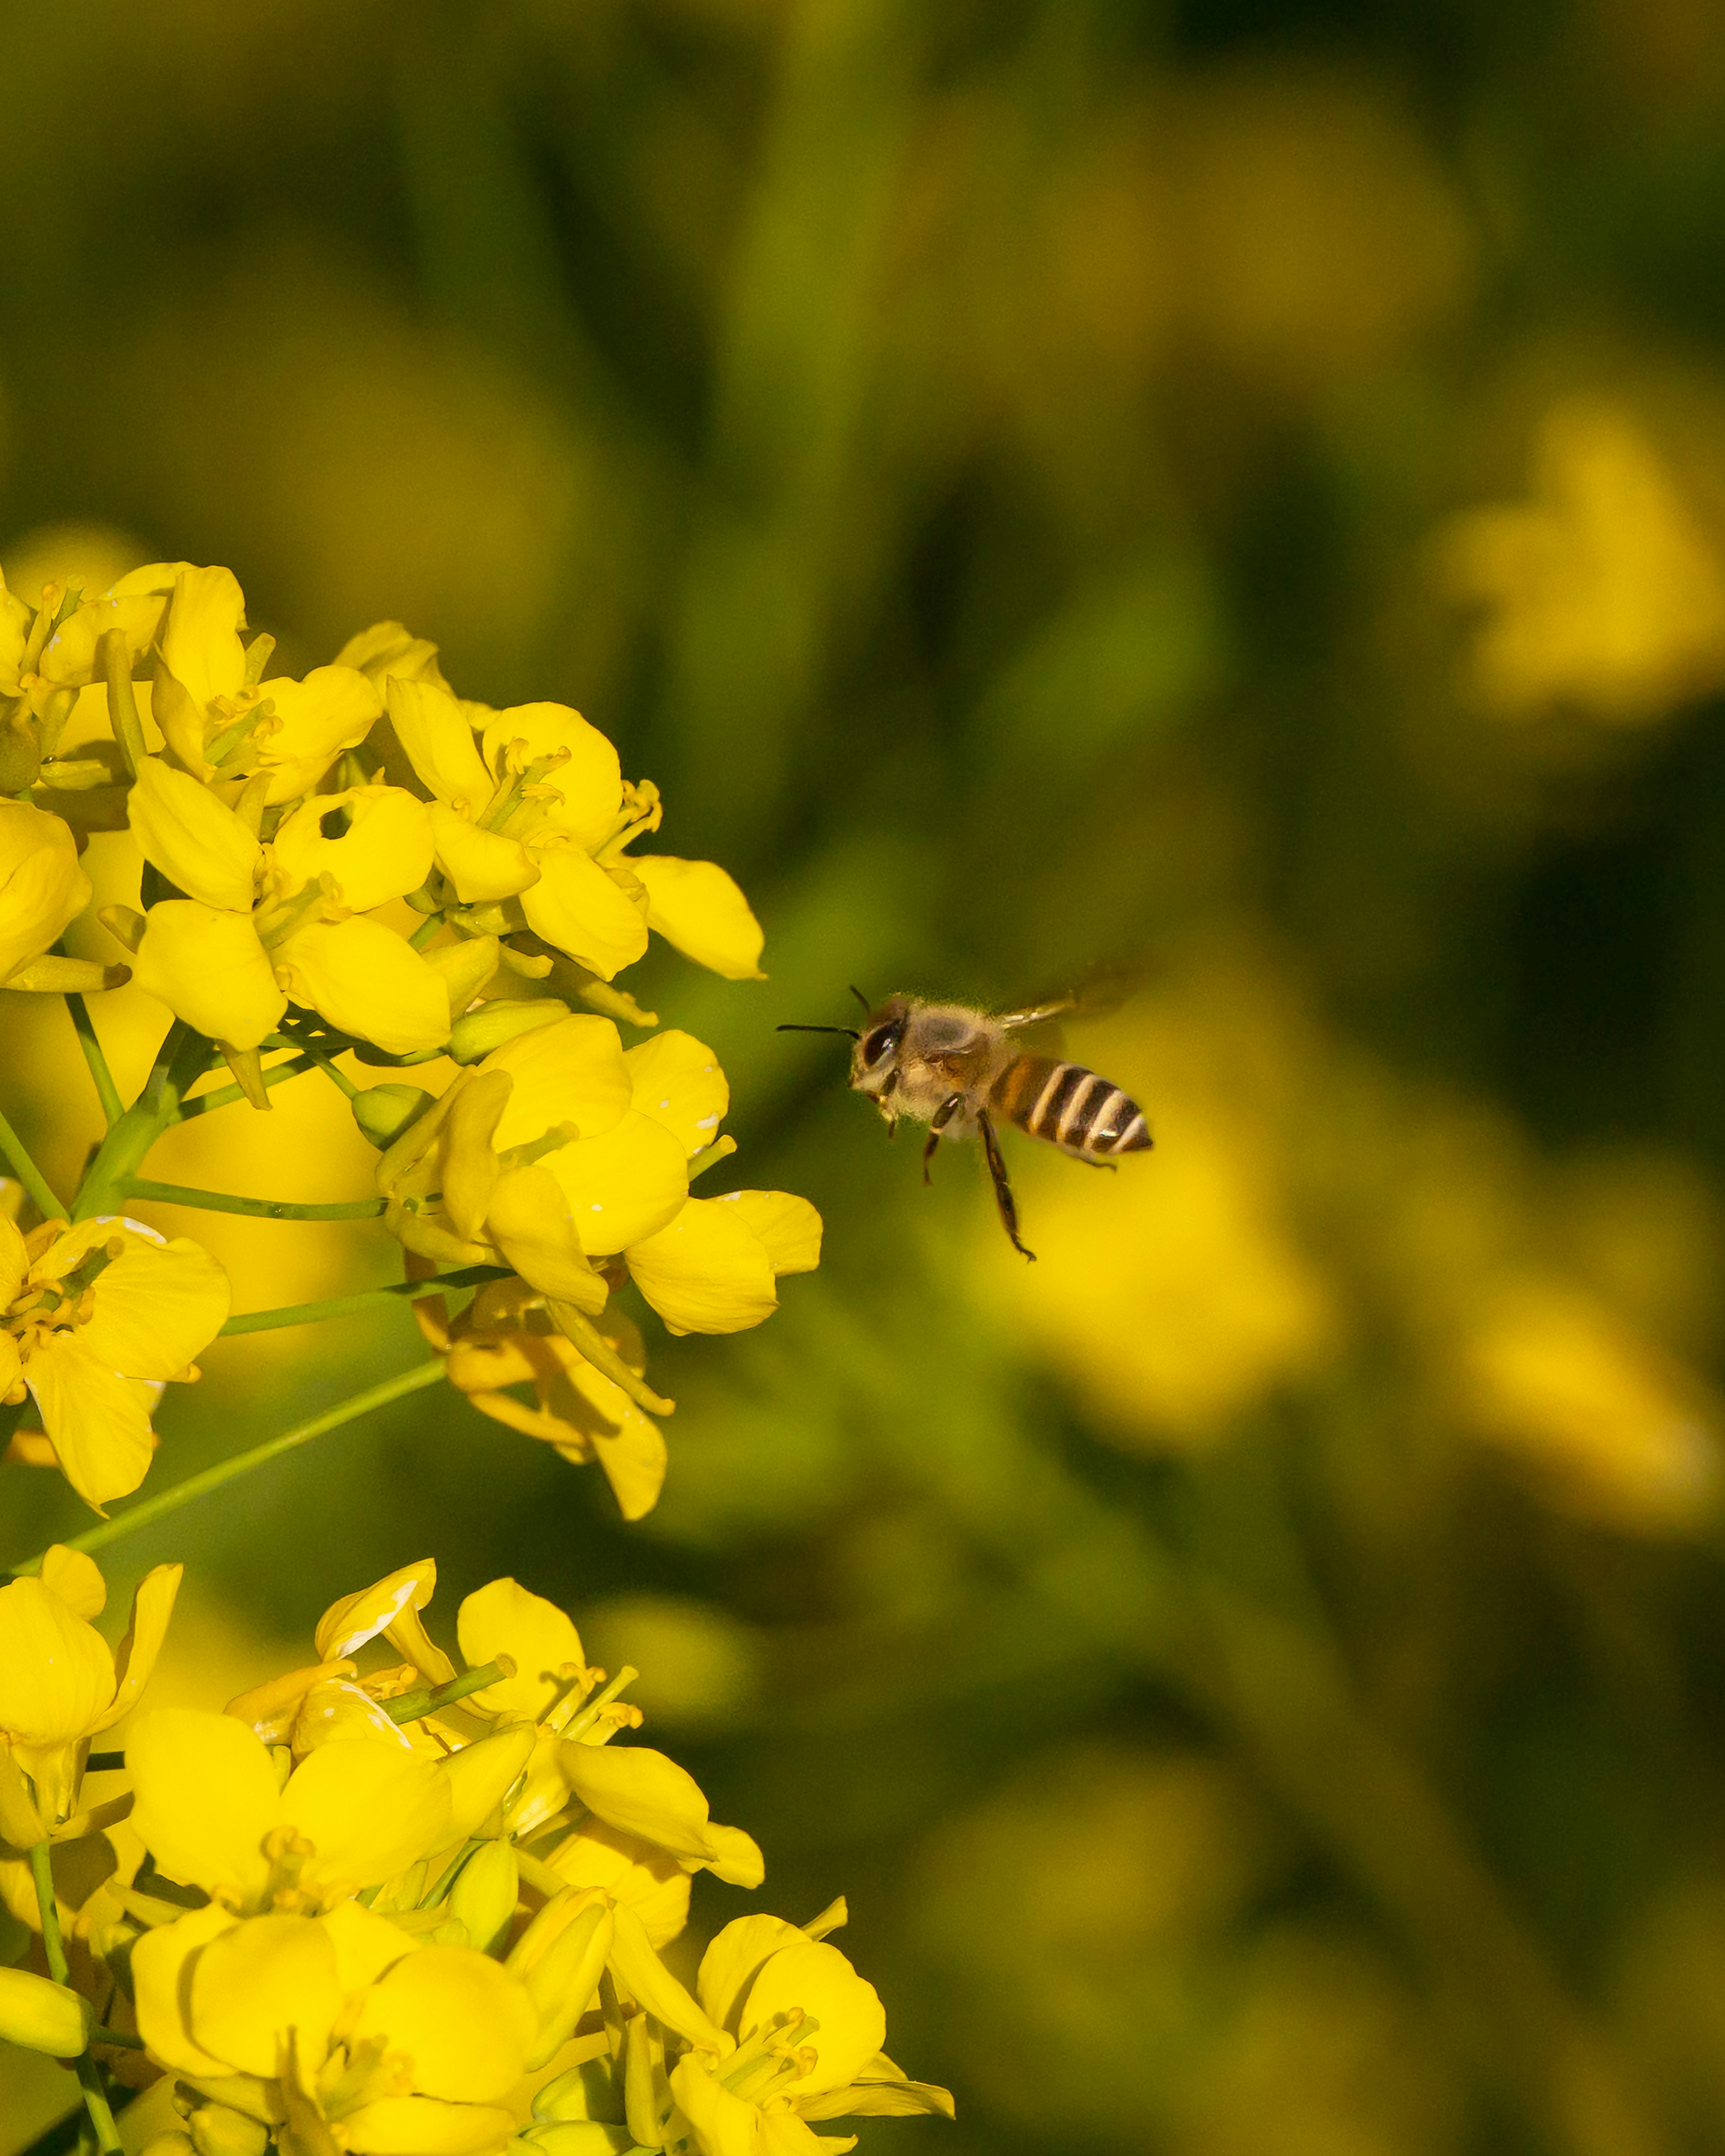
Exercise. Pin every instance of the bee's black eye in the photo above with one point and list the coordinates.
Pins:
(882, 1041)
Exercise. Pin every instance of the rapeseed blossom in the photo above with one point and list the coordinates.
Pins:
(348, 1944)
(290, 830)
(92, 1316)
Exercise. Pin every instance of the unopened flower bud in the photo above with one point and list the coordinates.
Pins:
(485, 1893)
(383, 1112)
(588, 2091)
(43, 2016)
(479, 1032)
(217, 2131)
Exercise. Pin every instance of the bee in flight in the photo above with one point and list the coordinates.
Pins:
(956, 1068)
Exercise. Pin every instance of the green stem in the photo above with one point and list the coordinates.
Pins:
(370, 1298)
(106, 1090)
(427, 929)
(259, 1208)
(225, 1096)
(337, 1076)
(32, 1178)
(411, 1706)
(152, 1509)
(89, 2074)
(180, 1062)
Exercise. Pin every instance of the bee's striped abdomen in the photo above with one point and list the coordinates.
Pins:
(1070, 1107)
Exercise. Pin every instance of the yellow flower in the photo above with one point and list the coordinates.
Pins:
(626, 1868)
(210, 1811)
(338, 2028)
(700, 911)
(504, 1338)
(43, 890)
(1606, 590)
(209, 703)
(763, 1980)
(259, 927)
(60, 1684)
(86, 1313)
(534, 813)
(715, 1267)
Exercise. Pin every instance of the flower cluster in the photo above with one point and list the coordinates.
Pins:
(416, 1908)
(354, 869)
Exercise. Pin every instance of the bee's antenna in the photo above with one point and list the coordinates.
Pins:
(861, 998)
(850, 1031)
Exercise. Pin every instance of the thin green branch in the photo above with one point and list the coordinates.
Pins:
(225, 1096)
(107, 1092)
(159, 1507)
(337, 1077)
(370, 1298)
(413, 1706)
(27, 1173)
(89, 2074)
(258, 1209)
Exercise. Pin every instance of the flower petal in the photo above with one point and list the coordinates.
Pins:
(735, 1957)
(56, 1673)
(366, 1944)
(582, 909)
(161, 1989)
(206, 1797)
(789, 1226)
(425, 2126)
(504, 1618)
(699, 910)
(528, 1218)
(707, 1271)
(628, 1869)
(76, 1578)
(380, 849)
(196, 840)
(334, 707)
(368, 1809)
(367, 981)
(464, 2021)
(433, 730)
(346, 1625)
(252, 1985)
(155, 1311)
(42, 890)
(722, 2125)
(819, 1979)
(152, 1607)
(571, 1071)
(481, 864)
(209, 968)
(677, 1081)
(200, 640)
(624, 1186)
(98, 1426)
(588, 785)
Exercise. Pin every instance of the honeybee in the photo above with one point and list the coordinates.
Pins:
(956, 1068)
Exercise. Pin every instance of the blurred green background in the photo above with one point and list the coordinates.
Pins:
(1233, 489)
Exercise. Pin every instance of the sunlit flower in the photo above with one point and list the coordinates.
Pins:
(338, 2027)
(60, 1682)
(765, 1982)
(534, 815)
(210, 1812)
(86, 1313)
(258, 928)
(715, 1267)
(43, 890)
(1606, 590)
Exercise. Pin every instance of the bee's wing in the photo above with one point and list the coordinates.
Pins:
(1101, 991)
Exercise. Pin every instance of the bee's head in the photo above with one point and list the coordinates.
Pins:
(875, 1058)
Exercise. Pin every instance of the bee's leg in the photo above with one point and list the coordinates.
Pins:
(1002, 1188)
(886, 1093)
(937, 1123)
